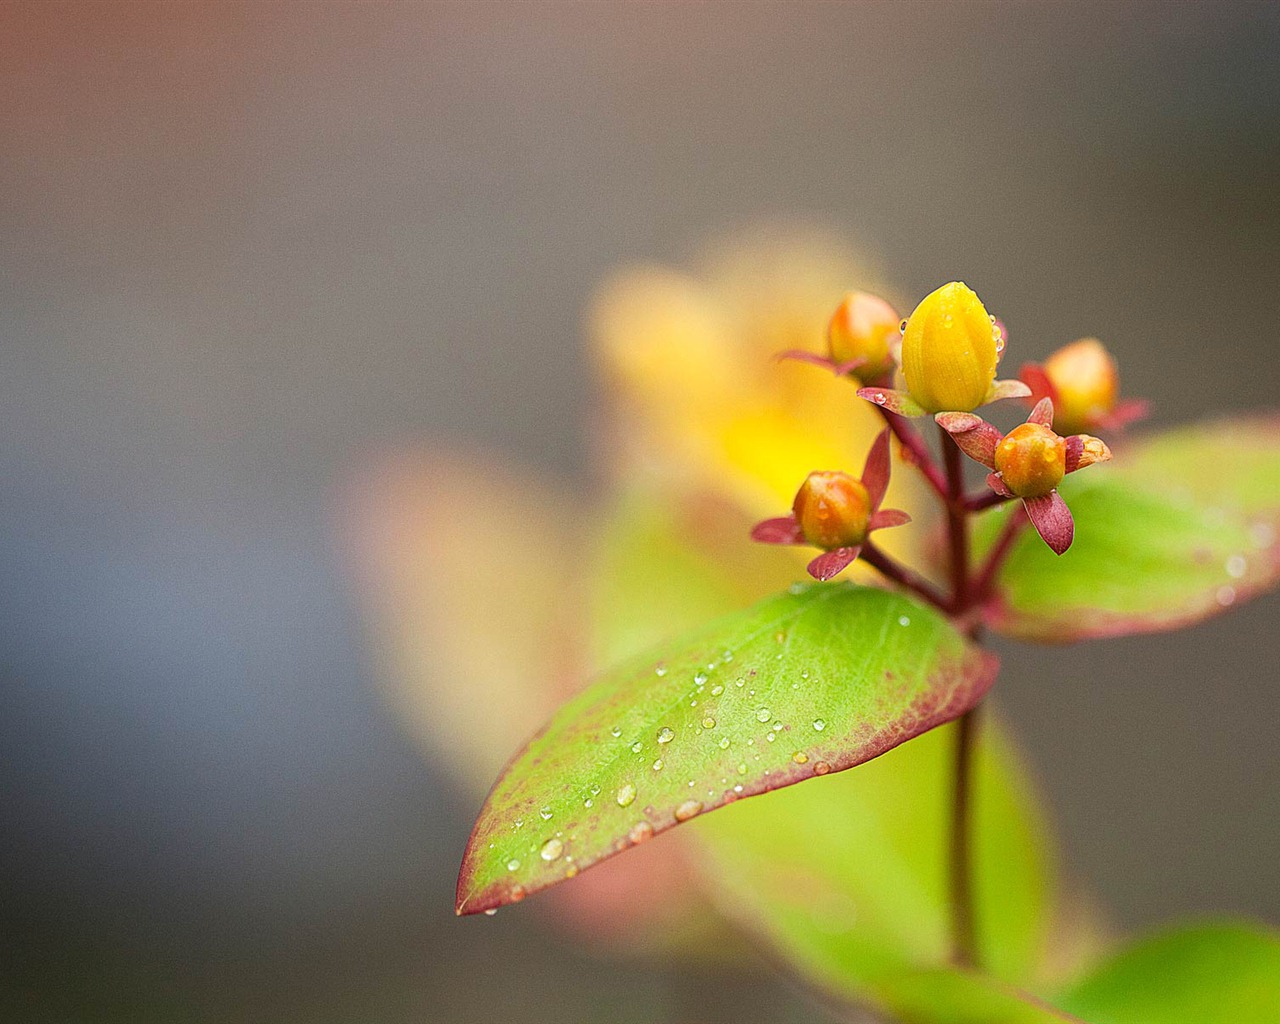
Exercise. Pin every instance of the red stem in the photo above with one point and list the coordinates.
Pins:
(963, 938)
(904, 577)
(981, 502)
(986, 578)
(957, 521)
(911, 440)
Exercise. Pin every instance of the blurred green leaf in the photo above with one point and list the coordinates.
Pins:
(1226, 973)
(1149, 555)
(1230, 464)
(811, 681)
(855, 896)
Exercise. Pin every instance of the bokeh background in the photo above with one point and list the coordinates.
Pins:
(247, 247)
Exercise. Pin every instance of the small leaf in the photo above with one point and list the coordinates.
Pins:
(1225, 973)
(847, 877)
(1150, 553)
(814, 680)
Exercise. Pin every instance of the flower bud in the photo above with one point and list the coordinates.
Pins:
(864, 327)
(1031, 460)
(833, 510)
(950, 350)
(1085, 384)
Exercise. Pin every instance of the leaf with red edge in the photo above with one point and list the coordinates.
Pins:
(875, 471)
(781, 530)
(1153, 550)
(814, 680)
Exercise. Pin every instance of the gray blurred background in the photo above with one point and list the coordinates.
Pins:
(245, 245)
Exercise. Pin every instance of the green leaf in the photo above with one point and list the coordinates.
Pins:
(1150, 553)
(1227, 973)
(1232, 464)
(814, 680)
(846, 877)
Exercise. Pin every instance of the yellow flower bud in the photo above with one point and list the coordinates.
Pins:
(1031, 460)
(833, 510)
(1085, 383)
(949, 350)
(863, 326)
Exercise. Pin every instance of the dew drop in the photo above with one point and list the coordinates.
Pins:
(636, 747)
(615, 732)
(762, 715)
(513, 865)
(902, 327)
(700, 679)
(742, 768)
(708, 722)
(717, 690)
(571, 871)
(726, 656)
(1236, 566)
(819, 724)
(490, 912)
(688, 809)
(880, 398)
(640, 832)
(799, 757)
(724, 743)
(740, 682)
(660, 670)
(551, 849)
(517, 893)
(821, 768)
(904, 620)
(665, 735)
(545, 814)
(657, 765)
(771, 737)
(626, 795)
(587, 803)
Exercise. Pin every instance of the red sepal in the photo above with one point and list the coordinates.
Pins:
(830, 564)
(782, 530)
(1052, 519)
(996, 482)
(975, 436)
(887, 517)
(1042, 413)
(875, 471)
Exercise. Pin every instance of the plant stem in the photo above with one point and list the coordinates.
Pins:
(963, 941)
(904, 577)
(911, 440)
(986, 577)
(957, 523)
(985, 501)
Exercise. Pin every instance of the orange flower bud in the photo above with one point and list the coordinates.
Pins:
(1031, 460)
(1085, 384)
(833, 510)
(864, 327)
(950, 350)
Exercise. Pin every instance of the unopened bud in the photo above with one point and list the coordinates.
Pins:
(1031, 460)
(950, 348)
(1085, 384)
(833, 510)
(863, 327)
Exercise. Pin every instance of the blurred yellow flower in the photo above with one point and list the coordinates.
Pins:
(698, 408)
